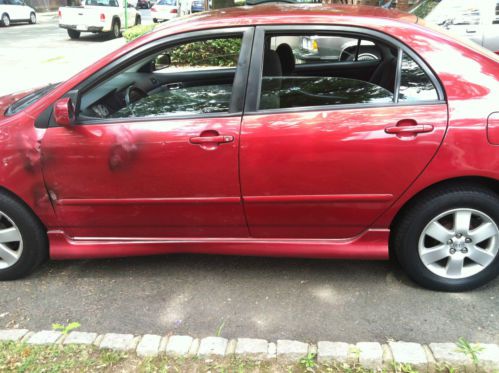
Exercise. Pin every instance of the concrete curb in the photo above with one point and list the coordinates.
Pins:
(370, 355)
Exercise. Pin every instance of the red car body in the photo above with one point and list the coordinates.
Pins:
(284, 186)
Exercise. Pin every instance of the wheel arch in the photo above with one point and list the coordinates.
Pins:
(21, 201)
(464, 181)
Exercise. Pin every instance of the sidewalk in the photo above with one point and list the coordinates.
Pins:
(369, 356)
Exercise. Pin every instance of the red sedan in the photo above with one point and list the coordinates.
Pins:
(280, 130)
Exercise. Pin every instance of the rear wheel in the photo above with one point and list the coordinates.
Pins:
(32, 18)
(137, 20)
(73, 34)
(449, 240)
(23, 241)
(115, 29)
(5, 20)
(155, 20)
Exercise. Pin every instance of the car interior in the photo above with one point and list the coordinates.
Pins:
(197, 77)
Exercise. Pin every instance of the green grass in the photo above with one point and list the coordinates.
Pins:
(20, 358)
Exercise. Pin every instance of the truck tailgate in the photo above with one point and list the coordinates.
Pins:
(80, 16)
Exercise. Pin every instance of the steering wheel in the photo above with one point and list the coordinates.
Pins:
(133, 94)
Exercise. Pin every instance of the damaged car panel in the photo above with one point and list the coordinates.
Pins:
(247, 150)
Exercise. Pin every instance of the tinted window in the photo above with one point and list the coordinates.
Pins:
(167, 2)
(288, 92)
(102, 2)
(327, 48)
(324, 69)
(415, 85)
(191, 78)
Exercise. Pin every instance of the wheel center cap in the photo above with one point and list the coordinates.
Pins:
(458, 244)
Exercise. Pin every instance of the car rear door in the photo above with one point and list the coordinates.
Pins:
(151, 173)
(322, 157)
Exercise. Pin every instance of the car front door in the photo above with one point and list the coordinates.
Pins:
(153, 154)
(323, 155)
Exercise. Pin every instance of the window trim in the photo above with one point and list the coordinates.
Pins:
(256, 67)
(238, 86)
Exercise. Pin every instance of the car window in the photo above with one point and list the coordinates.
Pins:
(415, 85)
(167, 2)
(187, 79)
(16, 2)
(102, 3)
(458, 12)
(323, 70)
(327, 48)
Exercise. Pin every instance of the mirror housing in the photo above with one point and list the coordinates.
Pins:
(64, 113)
(162, 61)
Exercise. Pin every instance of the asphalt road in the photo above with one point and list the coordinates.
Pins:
(242, 296)
(35, 55)
(199, 295)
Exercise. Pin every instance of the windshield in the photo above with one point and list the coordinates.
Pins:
(102, 2)
(456, 12)
(167, 2)
(24, 102)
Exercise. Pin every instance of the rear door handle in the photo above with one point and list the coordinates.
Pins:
(200, 140)
(419, 128)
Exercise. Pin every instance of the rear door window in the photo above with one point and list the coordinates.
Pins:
(415, 85)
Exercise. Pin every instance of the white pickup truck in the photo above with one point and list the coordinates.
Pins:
(98, 16)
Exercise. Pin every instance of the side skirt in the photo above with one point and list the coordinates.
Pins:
(371, 245)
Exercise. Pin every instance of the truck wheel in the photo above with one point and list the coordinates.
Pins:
(115, 30)
(137, 20)
(5, 20)
(73, 34)
(32, 18)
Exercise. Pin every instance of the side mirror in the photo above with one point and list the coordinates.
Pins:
(162, 61)
(64, 112)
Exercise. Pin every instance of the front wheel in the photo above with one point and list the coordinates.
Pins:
(73, 34)
(5, 20)
(137, 20)
(23, 241)
(115, 30)
(449, 239)
(32, 18)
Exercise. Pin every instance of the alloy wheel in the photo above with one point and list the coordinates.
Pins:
(6, 20)
(33, 18)
(459, 243)
(11, 242)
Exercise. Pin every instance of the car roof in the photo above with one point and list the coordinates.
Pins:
(284, 13)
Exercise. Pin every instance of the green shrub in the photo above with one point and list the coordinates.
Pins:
(217, 52)
(136, 31)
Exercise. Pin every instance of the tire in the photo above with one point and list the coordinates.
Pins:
(73, 34)
(19, 259)
(365, 54)
(5, 20)
(137, 20)
(32, 18)
(464, 254)
(155, 20)
(115, 30)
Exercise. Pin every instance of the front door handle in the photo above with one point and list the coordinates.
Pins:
(419, 128)
(219, 139)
